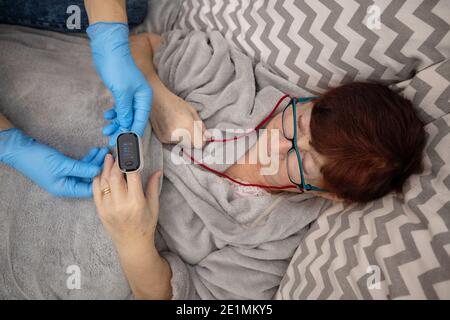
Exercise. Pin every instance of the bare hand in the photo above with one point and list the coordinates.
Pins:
(176, 121)
(127, 215)
(169, 113)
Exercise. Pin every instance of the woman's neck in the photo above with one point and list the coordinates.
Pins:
(247, 171)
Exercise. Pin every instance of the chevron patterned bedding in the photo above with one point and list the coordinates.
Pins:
(393, 248)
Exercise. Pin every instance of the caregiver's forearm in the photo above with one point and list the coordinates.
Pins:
(4, 123)
(148, 274)
(106, 11)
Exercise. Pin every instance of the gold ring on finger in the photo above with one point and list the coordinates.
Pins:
(106, 191)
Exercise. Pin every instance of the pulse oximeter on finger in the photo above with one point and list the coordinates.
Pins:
(129, 152)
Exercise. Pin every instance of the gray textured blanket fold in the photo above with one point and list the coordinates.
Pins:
(217, 246)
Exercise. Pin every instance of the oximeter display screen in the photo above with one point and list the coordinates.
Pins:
(128, 151)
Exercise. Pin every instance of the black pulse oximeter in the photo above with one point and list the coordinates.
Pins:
(128, 147)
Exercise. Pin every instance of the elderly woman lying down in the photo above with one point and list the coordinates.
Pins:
(231, 233)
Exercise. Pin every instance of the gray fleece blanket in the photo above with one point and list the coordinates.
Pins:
(217, 245)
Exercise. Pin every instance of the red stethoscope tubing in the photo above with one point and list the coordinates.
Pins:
(236, 138)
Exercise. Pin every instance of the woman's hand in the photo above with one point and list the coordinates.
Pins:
(130, 218)
(169, 112)
(176, 121)
(126, 213)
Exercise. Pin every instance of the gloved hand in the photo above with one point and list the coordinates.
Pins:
(47, 167)
(115, 65)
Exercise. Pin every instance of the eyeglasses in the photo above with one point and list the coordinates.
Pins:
(294, 162)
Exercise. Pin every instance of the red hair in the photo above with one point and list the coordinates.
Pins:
(371, 138)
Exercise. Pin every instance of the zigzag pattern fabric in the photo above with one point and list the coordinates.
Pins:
(393, 248)
(319, 44)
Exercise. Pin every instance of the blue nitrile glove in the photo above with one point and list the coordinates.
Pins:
(47, 167)
(115, 65)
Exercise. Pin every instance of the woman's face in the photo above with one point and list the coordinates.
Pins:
(311, 159)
